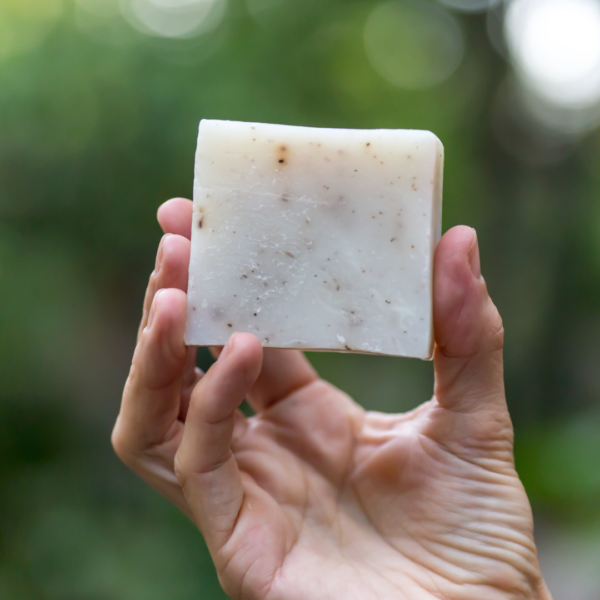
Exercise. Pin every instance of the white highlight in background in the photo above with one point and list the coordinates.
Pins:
(555, 46)
(413, 44)
(471, 6)
(174, 18)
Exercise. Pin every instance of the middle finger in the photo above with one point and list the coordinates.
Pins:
(170, 271)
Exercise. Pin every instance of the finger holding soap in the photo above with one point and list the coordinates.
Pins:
(162, 376)
(151, 398)
(175, 216)
(469, 378)
(283, 372)
(147, 431)
(469, 332)
(205, 465)
(170, 271)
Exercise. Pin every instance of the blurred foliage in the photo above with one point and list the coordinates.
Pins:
(98, 126)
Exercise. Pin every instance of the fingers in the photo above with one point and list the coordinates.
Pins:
(175, 216)
(191, 376)
(468, 328)
(204, 464)
(283, 372)
(170, 271)
(151, 399)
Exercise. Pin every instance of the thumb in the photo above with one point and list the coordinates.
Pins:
(469, 374)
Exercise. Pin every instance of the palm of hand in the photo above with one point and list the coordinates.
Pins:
(346, 504)
(314, 497)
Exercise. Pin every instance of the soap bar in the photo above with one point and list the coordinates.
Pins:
(318, 239)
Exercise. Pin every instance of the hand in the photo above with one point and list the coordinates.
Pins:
(314, 498)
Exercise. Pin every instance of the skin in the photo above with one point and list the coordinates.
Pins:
(315, 498)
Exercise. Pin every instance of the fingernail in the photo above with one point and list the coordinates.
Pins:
(159, 254)
(153, 309)
(474, 257)
(228, 349)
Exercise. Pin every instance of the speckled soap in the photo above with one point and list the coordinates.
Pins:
(318, 239)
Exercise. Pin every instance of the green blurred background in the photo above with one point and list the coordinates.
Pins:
(99, 109)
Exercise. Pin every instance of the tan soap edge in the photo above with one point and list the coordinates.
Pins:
(303, 349)
(436, 230)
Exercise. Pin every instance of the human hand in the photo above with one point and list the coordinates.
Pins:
(314, 498)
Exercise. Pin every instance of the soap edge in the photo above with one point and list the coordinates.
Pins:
(210, 122)
(303, 349)
(195, 201)
(436, 228)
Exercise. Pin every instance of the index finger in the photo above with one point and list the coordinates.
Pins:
(175, 216)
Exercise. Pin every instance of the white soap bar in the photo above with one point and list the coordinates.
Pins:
(319, 239)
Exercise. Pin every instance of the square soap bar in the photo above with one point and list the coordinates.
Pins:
(318, 239)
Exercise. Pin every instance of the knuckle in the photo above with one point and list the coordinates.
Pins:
(119, 443)
(152, 282)
(494, 334)
(181, 471)
(123, 444)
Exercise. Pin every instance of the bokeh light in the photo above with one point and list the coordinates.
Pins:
(413, 45)
(470, 5)
(174, 18)
(555, 47)
(102, 21)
